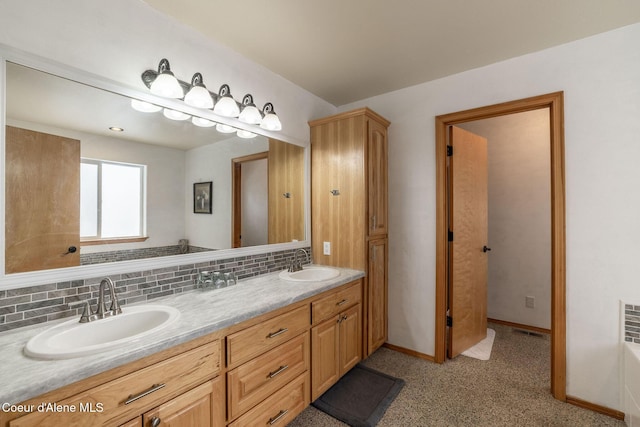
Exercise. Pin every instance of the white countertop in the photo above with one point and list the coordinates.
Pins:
(201, 313)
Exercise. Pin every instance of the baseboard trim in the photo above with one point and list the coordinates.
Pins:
(409, 352)
(520, 326)
(613, 413)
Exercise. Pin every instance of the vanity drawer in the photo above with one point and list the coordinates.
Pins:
(336, 302)
(250, 342)
(151, 385)
(259, 378)
(281, 407)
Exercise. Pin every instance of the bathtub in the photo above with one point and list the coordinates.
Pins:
(632, 384)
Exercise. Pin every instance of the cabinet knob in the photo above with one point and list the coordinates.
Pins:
(155, 421)
(335, 192)
(71, 250)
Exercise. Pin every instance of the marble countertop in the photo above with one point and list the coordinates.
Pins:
(201, 313)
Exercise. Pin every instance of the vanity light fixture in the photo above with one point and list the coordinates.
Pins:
(270, 121)
(250, 113)
(246, 134)
(198, 96)
(165, 83)
(222, 128)
(226, 106)
(203, 123)
(175, 115)
(144, 107)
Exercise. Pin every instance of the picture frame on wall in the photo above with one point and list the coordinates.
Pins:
(202, 197)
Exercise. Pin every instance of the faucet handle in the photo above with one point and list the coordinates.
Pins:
(87, 315)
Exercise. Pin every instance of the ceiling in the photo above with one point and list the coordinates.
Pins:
(348, 50)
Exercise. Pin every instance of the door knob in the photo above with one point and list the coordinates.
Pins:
(485, 249)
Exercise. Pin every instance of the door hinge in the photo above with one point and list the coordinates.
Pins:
(450, 236)
(449, 321)
(449, 150)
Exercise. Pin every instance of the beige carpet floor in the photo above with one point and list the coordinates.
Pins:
(510, 389)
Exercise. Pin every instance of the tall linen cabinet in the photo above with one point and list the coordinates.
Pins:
(349, 207)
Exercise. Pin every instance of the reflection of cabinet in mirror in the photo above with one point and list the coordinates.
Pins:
(42, 201)
(286, 192)
(284, 208)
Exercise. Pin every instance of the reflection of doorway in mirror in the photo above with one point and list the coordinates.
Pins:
(253, 200)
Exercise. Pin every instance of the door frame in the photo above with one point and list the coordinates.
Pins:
(236, 194)
(555, 103)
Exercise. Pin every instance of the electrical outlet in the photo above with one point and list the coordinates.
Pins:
(530, 302)
(326, 248)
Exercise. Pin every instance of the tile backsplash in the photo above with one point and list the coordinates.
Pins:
(632, 323)
(38, 304)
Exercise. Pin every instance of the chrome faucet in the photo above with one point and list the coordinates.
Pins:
(115, 305)
(296, 264)
(101, 312)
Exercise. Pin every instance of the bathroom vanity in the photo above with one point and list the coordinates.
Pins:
(253, 353)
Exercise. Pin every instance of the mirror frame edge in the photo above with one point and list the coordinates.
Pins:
(18, 280)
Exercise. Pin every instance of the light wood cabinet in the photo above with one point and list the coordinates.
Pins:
(269, 369)
(336, 336)
(131, 394)
(201, 406)
(377, 314)
(337, 347)
(274, 363)
(349, 207)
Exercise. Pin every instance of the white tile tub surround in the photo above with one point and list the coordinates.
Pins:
(201, 313)
(632, 384)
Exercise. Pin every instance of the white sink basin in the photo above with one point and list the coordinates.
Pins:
(73, 339)
(310, 274)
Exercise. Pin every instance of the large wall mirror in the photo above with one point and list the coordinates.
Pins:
(91, 180)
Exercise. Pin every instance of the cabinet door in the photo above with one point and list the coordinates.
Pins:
(377, 295)
(338, 192)
(350, 338)
(201, 406)
(377, 178)
(325, 363)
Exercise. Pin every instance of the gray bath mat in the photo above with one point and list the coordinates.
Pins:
(361, 397)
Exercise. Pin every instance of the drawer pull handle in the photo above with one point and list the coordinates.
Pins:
(281, 414)
(278, 371)
(343, 302)
(275, 334)
(153, 388)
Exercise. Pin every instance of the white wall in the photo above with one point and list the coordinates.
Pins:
(600, 79)
(255, 192)
(519, 203)
(213, 163)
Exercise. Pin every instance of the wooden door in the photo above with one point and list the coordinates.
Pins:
(325, 363)
(377, 178)
(350, 338)
(42, 201)
(377, 295)
(468, 223)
